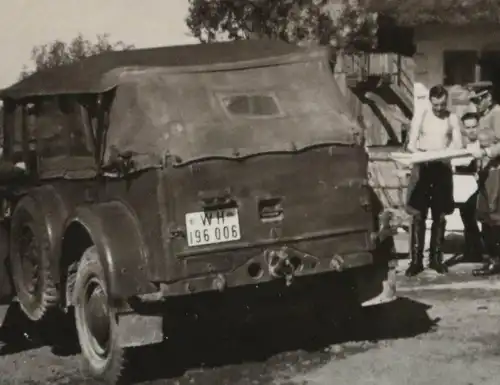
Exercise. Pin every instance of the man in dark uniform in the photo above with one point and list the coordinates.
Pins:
(488, 158)
(473, 248)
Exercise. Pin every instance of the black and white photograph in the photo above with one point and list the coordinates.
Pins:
(250, 192)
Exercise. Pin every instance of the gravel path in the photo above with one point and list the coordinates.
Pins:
(440, 331)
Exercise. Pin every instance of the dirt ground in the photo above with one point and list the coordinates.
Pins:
(441, 330)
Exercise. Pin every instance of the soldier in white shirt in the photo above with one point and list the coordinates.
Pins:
(431, 183)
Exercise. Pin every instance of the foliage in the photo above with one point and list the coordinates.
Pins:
(452, 12)
(59, 53)
(339, 23)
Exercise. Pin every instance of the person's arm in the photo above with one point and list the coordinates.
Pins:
(493, 150)
(9, 170)
(457, 141)
(415, 127)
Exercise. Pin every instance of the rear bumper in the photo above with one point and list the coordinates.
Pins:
(284, 264)
(220, 271)
(373, 284)
(145, 323)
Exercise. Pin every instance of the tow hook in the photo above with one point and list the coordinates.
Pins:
(280, 266)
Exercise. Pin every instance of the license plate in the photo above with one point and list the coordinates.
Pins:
(215, 226)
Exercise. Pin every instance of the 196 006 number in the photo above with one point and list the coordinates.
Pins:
(214, 235)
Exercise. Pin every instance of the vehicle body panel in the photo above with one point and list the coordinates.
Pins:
(319, 203)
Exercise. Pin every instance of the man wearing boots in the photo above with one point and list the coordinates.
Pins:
(431, 183)
(488, 158)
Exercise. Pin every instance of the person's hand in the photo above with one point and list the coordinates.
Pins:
(478, 153)
(20, 165)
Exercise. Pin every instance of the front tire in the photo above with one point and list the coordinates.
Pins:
(96, 321)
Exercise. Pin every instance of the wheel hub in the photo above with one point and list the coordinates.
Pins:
(97, 315)
(29, 260)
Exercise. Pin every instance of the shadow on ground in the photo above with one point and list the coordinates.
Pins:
(18, 333)
(211, 346)
(221, 352)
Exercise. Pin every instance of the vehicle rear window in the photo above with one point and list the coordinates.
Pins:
(248, 105)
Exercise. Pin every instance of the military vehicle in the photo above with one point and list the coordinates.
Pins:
(179, 176)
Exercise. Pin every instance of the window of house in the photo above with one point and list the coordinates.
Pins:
(490, 63)
(460, 67)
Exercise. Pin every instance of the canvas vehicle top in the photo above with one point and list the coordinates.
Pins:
(182, 170)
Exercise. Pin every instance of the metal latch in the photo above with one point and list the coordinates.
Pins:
(178, 232)
(216, 199)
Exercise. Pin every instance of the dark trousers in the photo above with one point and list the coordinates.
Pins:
(488, 207)
(488, 210)
(431, 188)
(472, 234)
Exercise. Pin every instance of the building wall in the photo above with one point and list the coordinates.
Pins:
(430, 44)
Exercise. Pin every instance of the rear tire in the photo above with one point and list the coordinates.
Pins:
(96, 321)
(6, 287)
(30, 261)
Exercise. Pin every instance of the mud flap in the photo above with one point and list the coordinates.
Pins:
(376, 284)
(388, 292)
(139, 330)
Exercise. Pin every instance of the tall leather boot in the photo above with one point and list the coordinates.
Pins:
(491, 239)
(417, 240)
(473, 248)
(435, 248)
(473, 245)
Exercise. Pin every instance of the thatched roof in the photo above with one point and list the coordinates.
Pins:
(451, 12)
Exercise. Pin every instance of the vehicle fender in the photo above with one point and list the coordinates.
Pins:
(115, 232)
(48, 205)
